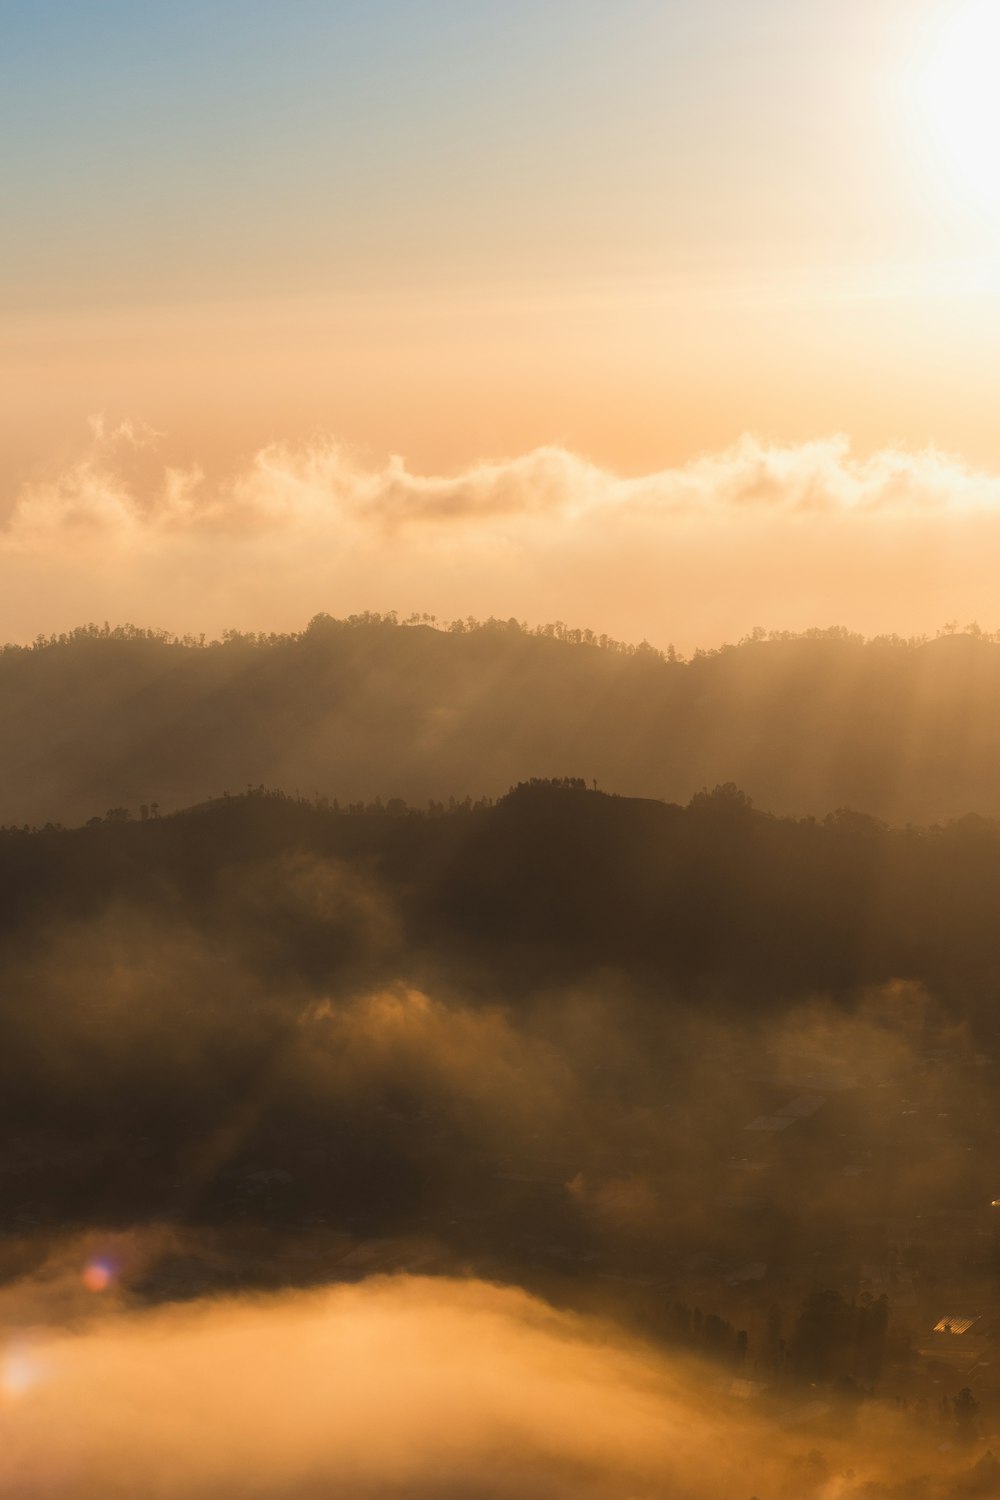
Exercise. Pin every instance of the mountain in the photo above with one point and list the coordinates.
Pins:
(366, 707)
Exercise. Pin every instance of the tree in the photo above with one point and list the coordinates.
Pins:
(724, 798)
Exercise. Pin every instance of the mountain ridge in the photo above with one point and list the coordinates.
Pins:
(905, 731)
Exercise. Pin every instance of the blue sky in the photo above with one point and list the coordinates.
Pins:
(151, 145)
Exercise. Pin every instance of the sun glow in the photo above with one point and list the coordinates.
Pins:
(960, 98)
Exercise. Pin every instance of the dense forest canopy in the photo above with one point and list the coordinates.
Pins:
(908, 731)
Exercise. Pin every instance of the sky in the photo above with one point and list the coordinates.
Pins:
(467, 233)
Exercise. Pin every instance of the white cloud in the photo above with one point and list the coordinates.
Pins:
(758, 533)
(326, 487)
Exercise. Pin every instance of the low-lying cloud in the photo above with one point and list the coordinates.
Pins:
(758, 533)
(395, 1386)
(326, 485)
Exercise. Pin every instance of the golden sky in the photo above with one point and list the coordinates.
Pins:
(462, 234)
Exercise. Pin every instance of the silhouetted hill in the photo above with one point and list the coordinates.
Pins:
(367, 707)
(552, 883)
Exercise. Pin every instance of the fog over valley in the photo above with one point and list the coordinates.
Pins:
(680, 1115)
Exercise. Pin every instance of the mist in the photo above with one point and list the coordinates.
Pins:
(312, 1185)
(395, 1386)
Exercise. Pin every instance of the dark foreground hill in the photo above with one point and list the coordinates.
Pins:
(552, 884)
(368, 707)
(691, 1067)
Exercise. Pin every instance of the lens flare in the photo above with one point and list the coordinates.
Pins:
(99, 1274)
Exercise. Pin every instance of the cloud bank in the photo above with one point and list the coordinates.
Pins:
(327, 486)
(395, 1386)
(756, 534)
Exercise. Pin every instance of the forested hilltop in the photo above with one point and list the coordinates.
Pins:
(550, 884)
(368, 706)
